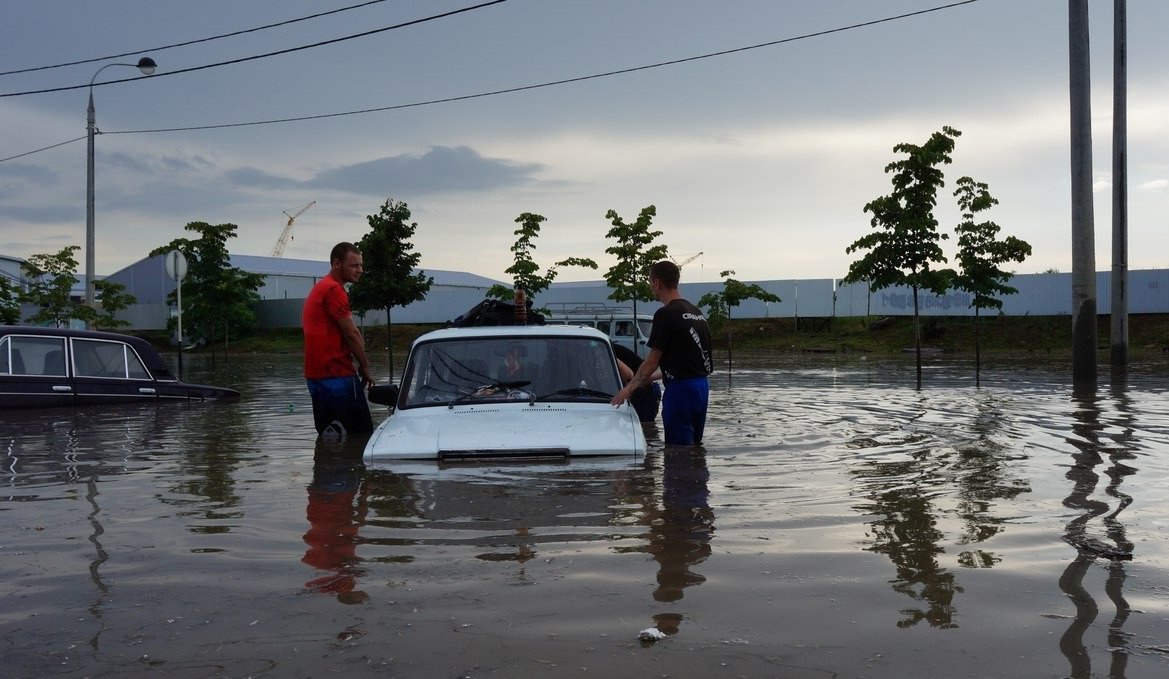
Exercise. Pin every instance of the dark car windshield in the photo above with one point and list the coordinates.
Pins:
(507, 368)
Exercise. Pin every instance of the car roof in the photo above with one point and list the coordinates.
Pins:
(512, 332)
(146, 351)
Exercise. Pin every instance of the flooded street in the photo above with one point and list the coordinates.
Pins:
(838, 523)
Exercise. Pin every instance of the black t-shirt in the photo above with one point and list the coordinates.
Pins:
(680, 331)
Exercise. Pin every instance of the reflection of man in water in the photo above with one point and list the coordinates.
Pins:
(336, 509)
(681, 539)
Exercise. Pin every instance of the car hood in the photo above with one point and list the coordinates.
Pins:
(517, 430)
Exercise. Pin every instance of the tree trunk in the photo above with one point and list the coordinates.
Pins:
(390, 343)
(977, 349)
(917, 336)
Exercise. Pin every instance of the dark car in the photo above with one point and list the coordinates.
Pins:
(48, 367)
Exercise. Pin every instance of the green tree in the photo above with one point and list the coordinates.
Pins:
(113, 298)
(635, 253)
(218, 298)
(389, 258)
(904, 246)
(718, 305)
(50, 280)
(979, 255)
(9, 301)
(524, 272)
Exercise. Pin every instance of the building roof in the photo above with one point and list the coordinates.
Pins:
(310, 268)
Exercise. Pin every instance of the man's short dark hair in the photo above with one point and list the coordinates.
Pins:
(341, 251)
(666, 272)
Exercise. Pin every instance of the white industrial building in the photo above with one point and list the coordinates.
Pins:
(287, 282)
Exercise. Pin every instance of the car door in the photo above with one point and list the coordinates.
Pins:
(32, 372)
(109, 371)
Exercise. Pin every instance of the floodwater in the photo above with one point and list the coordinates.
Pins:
(838, 523)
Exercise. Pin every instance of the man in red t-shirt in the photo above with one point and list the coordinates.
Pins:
(331, 344)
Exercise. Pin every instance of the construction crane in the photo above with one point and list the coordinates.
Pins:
(686, 260)
(286, 234)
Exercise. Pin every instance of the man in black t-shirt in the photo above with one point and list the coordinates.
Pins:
(679, 344)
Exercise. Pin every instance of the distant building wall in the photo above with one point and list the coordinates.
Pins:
(1047, 294)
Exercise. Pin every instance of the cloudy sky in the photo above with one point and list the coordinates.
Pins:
(761, 159)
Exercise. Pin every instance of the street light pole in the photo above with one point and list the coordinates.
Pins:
(147, 66)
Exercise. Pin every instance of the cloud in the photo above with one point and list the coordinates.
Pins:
(47, 214)
(1154, 186)
(252, 178)
(442, 169)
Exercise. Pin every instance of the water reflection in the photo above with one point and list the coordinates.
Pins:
(1094, 440)
(336, 510)
(909, 472)
(680, 530)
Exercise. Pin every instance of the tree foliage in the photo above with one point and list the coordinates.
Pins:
(217, 297)
(389, 259)
(51, 278)
(718, 305)
(635, 253)
(113, 298)
(980, 253)
(9, 301)
(524, 271)
(904, 246)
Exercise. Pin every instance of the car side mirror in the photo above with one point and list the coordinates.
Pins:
(384, 394)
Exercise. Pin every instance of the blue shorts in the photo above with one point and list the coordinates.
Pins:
(684, 410)
(339, 407)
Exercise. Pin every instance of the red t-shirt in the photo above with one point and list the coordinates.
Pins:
(325, 352)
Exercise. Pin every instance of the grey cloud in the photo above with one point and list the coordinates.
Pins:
(250, 177)
(49, 214)
(442, 169)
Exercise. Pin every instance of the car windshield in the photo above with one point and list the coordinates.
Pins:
(508, 368)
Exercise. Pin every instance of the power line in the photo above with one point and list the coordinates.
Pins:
(265, 55)
(523, 88)
(46, 148)
(193, 42)
(565, 81)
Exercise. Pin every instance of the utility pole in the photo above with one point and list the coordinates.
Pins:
(1083, 230)
(1119, 311)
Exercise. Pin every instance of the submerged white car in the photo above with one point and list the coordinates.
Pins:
(512, 392)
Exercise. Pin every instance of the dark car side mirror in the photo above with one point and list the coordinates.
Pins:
(384, 394)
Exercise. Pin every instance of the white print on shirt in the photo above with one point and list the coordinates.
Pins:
(706, 362)
(694, 317)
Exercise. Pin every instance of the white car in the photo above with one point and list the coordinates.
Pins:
(514, 392)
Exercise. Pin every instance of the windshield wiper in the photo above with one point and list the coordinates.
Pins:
(575, 391)
(495, 388)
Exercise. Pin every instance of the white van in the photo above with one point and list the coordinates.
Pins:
(615, 321)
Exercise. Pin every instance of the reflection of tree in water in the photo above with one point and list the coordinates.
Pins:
(904, 498)
(1091, 448)
(904, 528)
(680, 530)
(215, 442)
(984, 477)
(336, 511)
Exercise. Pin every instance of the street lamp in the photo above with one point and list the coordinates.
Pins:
(147, 66)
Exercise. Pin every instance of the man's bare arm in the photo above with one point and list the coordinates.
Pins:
(356, 344)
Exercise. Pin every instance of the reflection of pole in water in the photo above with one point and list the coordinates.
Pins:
(1082, 474)
(100, 557)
